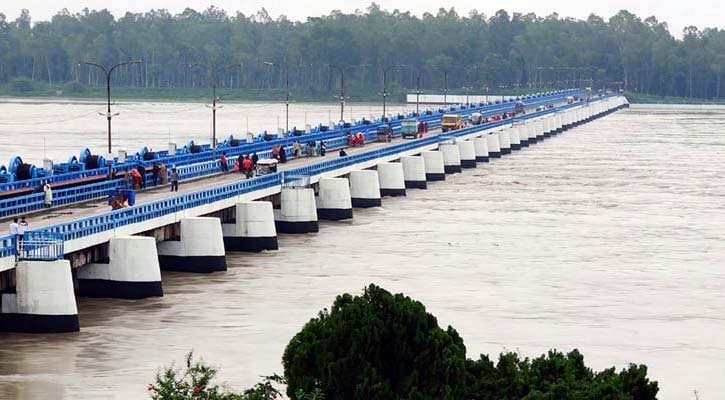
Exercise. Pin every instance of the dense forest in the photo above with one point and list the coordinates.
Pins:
(474, 52)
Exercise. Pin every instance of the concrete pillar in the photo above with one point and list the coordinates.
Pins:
(546, 122)
(297, 213)
(494, 146)
(523, 135)
(414, 172)
(480, 144)
(199, 250)
(392, 179)
(43, 301)
(132, 271)
(333, 199)
(253, 229)
(514, 138)
(451, 158)
(365, 189)
(539, 128)
(504, 140)
(467, 151)
(530, 129)
(557, 124)
(434, 167)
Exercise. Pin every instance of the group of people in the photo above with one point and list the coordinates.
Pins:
(244, 164)
(354, 140)
(119, 199)
(423, 127)
(315, 148)
(135, 178)
(279, 153)
(18, 229)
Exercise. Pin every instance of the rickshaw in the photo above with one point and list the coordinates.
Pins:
(266, 166)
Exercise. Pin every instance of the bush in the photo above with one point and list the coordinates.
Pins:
(376, 346)
(21, 85)
(74, 87)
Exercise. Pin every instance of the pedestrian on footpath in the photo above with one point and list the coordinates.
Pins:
(14, 227)
(48, 195)
(22, 227)
(223, 163)
(174, 180)
(155, 174)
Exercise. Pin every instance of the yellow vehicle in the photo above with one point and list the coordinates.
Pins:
(451, 122)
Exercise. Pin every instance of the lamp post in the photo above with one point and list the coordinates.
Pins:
(385, 87)
(214, 99)
(108, 72)
(445, 89)
(286, 100)
(417, 94)
(342, 69)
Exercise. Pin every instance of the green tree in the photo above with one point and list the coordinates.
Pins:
(376, 346)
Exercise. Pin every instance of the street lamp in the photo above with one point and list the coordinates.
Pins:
(417, 94)
(385, 87)
(445, 89)
(286, 101)
(213, 77)
(108, 114)
(342, 85)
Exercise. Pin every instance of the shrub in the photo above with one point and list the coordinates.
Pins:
(74, 87)
(21, 85)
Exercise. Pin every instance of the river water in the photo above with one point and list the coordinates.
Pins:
(608, 238)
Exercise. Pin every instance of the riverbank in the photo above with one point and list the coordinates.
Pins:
(639, 98)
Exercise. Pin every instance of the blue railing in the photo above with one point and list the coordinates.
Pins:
(41, 246)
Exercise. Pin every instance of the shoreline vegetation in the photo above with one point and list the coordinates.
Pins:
(380, 345)
(28, 90)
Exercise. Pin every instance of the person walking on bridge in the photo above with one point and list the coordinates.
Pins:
(247, 166)
(22, 227)
(155, 174)
(174, 180)
(48, 195)
(223, 163)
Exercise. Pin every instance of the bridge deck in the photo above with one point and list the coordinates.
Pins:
(72, 212)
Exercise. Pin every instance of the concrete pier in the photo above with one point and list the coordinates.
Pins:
(200, 249)
(504, 140)
(467, 151)
(333, 199)
(523, 135)
(414, 172)
(539, 129)
(132, 271)
(434, 167)
(43, 301)
(297, 213)
(253, 229)
(451, 158)
(480, 144)
(392, 179)
(365, 189)
(514, 138)
(494, 145)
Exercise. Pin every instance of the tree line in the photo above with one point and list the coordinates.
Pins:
(472, 52)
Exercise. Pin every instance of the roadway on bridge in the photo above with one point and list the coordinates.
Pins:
(70, 212)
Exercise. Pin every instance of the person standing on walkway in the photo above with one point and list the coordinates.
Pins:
(323, 148)
(247, 166)
(48, 195)
(127, 179)
(255, 158)
(174, 180)
(142, 176)
(223, 163)
(155, 174)
(22, 227)
(14, 227)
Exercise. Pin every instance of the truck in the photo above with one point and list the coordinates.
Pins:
(451, 122)
(519, 108)
(409, 128)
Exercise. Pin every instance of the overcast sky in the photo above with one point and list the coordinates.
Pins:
(678, 13)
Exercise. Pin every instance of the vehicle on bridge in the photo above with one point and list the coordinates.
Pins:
(476, 118)
(385, 134)
(266, 167)
(451, 122)
(409, 128)
(520, 108)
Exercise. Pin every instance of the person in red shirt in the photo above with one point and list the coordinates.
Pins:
(247, 166)
(223, 163)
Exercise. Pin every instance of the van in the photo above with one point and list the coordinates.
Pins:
(409, 128)
(519, 108)
(451, 122)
